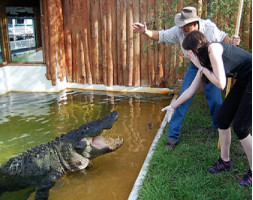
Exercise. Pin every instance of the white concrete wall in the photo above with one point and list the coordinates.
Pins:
(27, 79)
(33, 79)
(3, 81)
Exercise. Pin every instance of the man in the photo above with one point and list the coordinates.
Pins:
(186, 22)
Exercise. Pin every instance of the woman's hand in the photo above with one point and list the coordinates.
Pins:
(168, 108)
(193, 58)
(169, 112)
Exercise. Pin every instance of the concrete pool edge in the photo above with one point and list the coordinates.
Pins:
(142, 174)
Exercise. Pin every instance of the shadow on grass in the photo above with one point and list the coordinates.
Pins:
(182, 174)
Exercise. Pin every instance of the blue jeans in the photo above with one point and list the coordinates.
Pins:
(213, 97)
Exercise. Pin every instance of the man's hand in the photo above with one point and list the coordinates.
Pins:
(140, 28)
(235, 40)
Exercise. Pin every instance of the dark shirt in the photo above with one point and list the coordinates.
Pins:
(237, 62)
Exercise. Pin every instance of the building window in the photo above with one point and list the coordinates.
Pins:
(21, 41)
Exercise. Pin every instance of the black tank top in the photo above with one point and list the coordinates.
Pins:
(237, 62)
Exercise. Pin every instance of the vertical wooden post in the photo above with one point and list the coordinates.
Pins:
(85, 35)
(114, 41)
(168, 65)
(119, 55)
(52, 39)
(204, 8)
(137, 59)
(170, 51)
(200, 7)
(74, 37)
(160, 63)
(103, 13)
(82, 62)
(74, 56)
(123, 41)
(130, 43)
(109, 44)
(61, 49)
(144, 39)
(151, 50)
(94, 12)
(57, 42)
(67, 12)
(88, 42)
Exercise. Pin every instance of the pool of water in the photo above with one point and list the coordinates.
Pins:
(30, 119)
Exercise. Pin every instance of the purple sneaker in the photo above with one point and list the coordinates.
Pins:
(219, 166)
(246, 181)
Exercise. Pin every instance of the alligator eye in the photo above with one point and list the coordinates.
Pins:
(82, 145)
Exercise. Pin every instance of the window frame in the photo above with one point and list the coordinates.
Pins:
(4, 29)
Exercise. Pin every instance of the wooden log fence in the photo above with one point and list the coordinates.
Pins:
(92, 41)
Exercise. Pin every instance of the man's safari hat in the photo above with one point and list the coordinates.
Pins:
(188, 15)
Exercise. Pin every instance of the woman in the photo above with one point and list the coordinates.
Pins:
(215, 62)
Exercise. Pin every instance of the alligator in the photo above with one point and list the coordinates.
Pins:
(41, 166)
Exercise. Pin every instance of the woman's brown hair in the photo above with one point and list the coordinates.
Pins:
(197, 42)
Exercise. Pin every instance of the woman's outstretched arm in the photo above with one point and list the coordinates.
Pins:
(187, 94)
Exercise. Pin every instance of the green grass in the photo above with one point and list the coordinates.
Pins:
(182, 174)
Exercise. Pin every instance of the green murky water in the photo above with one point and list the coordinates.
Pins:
(30, 119)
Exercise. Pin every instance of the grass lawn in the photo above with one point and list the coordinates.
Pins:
(182, 174)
